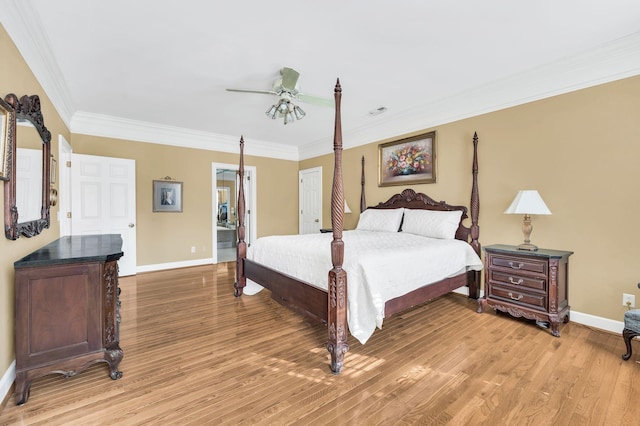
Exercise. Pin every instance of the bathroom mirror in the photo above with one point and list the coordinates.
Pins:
(26, 193)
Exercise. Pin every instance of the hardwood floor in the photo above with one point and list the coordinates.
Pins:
(195, 354)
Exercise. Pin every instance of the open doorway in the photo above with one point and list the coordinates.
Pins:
(226, 220)
(225, 203)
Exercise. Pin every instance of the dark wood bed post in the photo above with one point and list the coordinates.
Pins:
(475, 210)
(241, 249)
(363, 203)
(337, 295)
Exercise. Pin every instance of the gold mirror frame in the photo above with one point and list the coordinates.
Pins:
(7, 128)
(26, 108)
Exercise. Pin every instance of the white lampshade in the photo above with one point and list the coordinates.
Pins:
(346, 207)
(528, 202)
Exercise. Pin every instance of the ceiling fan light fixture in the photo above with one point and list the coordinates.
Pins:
(283, 106)
(298, 112)
(288, 117)
(272, 112)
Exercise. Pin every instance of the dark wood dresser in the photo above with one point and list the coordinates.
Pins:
(67, 309)
(529, 284)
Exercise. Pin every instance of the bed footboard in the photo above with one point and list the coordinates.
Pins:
(307, 300)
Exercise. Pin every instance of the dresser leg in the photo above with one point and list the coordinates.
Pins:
(23, 387)
(113, 356)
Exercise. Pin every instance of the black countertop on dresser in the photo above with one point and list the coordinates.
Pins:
(513, 250)
(73, 249)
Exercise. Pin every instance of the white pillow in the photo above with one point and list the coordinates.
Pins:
(384, 220)
(432, 223)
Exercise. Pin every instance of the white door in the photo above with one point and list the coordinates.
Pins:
(310, 200)
(103, 201)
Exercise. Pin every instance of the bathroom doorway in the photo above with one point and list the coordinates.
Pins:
(225, 201)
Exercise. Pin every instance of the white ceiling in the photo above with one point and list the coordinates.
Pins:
(157, 70)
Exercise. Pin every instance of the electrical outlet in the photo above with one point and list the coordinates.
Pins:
(193, 250)
(628, 300)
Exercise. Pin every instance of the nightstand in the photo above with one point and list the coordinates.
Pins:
(529, 284)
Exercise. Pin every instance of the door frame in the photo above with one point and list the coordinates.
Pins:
(64, 186)
(214, 204)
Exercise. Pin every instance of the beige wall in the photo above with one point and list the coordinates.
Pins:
(579, 150)
(168, 237)
(16, 77)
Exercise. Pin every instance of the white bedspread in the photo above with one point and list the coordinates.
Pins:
(380, 266)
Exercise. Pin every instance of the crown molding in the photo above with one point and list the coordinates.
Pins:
(24, 26)
(22, 23)
(122, 128)
(610, 62)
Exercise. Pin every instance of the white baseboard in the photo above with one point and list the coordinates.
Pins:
(7, 380)
(597, 322)
(577, 317)
(173, 265)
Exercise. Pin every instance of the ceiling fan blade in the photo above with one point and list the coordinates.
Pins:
(264, 92)
(289, 78)
(315, 100)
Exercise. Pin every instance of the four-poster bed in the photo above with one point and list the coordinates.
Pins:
(329, 303)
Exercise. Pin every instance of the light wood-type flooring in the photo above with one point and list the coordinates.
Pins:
(195, 354)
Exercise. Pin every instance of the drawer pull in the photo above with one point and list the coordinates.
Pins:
(520, 296)
(513, 281)
(515, 265)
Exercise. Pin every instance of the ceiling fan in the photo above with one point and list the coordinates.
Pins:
(286, 87)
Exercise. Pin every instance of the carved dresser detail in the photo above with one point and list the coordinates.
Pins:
(67, 309)
(529, 284)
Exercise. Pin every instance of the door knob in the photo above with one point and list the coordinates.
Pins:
(131, 225)
(317, 220)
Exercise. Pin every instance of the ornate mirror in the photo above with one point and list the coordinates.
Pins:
(26, 193)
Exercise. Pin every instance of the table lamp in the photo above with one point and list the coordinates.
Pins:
(527, 202)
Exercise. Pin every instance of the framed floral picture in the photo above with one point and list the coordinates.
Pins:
(408, 161)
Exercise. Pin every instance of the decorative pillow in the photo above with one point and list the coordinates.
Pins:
(383, 220)
(432, 223)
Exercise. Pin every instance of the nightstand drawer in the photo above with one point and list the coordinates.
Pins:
(532, 282)
(517, 297)
(519, 264)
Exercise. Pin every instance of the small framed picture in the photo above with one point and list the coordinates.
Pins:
(167, 196)
(408, 161)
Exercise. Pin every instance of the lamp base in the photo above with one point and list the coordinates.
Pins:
(527, 246)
